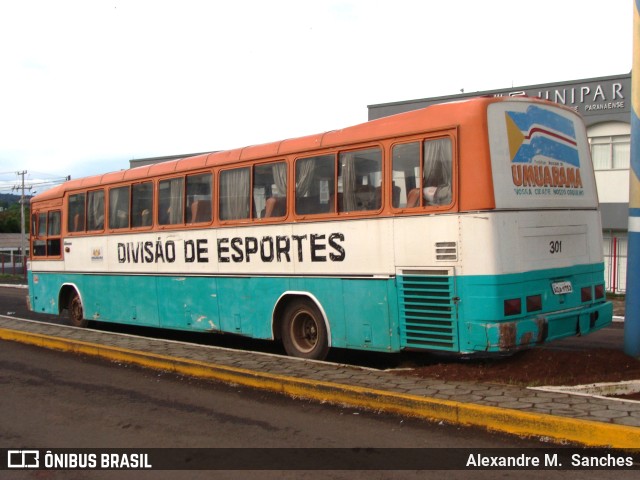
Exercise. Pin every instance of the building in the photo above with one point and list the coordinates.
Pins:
(10, 260)
(605, 105)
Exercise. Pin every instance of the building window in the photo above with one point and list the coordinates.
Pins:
(611, 153)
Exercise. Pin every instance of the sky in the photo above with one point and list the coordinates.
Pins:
(86, 86)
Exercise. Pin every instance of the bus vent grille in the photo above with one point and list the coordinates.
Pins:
(447, 251)
(427, 312)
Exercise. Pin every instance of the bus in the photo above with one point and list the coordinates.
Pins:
(470, 227)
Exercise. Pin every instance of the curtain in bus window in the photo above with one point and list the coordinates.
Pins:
(175, 210)
(304, 176)
(280, 178)
(95, 210)
(42, 225)
(54, 224)
(171, 202)
(437, 171)
(349, 200)
(119, 207)
(234, 194)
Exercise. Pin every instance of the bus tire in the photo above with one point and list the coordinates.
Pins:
(304, 334)
(76, 312)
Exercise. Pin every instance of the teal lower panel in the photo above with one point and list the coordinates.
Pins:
(361, 312)
(485, 326)
(429, 312)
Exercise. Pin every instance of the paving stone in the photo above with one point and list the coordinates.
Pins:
(495, 399)
(608, 413)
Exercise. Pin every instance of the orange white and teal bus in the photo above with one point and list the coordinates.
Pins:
(467, 227)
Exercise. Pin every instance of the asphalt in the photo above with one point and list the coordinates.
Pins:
(554, 416)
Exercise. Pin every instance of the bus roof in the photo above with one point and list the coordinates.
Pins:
(433, 117)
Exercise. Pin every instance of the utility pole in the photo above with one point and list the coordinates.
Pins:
(22, 232)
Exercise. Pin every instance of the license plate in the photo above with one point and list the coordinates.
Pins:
(560, 288)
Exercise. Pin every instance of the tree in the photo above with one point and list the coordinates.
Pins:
(10, 219)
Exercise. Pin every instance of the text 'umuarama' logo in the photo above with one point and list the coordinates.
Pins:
(543, 151)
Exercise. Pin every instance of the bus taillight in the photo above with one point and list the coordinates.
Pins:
(512, 307)
(534, 303)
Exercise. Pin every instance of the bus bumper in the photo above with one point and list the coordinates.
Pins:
(527, 332)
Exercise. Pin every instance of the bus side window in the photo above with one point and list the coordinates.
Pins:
(141, 204)
(39, 243)
(361, 174)
(95, 210)
(171, 201)
(48, 228)
(315, 189)
(199, 198)
(270, 190)
(53, 230)
(119, 207)
(406, 175)
(234, 196)
(76, 213)
(437, 171)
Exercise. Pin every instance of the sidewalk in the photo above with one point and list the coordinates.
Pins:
(510, 409)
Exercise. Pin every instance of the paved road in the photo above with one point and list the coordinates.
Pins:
(57, 400)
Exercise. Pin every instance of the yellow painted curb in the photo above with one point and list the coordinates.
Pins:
(585, 432)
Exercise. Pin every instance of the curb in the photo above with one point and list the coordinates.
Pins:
(561, 429)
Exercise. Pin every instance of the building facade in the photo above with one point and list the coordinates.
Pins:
(605, 105)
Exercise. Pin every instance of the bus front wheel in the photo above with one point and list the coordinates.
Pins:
(76, 312)
(304, 333)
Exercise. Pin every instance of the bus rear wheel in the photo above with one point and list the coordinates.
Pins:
(304, 333)
(76, 312)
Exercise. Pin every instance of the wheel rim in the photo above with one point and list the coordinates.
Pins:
(76, 310)
(304, 332)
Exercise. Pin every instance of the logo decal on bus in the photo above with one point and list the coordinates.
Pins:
(544, 153)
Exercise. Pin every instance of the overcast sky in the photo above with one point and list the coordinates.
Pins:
(85, 86)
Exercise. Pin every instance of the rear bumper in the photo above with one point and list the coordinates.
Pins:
(527, 332)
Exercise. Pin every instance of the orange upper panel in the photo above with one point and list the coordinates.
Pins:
(468, 117)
